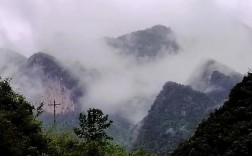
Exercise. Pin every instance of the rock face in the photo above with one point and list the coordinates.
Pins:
(228, 130)
(56, 82)
(41, 78)
(152, 42)
(174, 115)
(214, 79)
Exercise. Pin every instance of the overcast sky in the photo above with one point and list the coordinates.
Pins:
(26, 25)
(217, 29)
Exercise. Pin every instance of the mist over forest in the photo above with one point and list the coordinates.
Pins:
(121, 56)
(75, 31)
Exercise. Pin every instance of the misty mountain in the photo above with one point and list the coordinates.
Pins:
(44, 78)
(155, 41)
(10, 62)
(61, 84)
(214, 79)
(228, 130)
(178, 109)
(174, 115)
(51, 81)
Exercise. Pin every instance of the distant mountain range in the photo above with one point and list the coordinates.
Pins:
(172, 118)
(178, 109)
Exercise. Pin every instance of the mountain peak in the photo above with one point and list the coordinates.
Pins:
(160, 28)
(171, 84)
(52, 68)
(203, 76)
(173, 117)
(150, 42)
(40, 58)
(56, 81)
(215, 79)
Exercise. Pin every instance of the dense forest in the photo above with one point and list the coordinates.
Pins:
(227, 131)
(21, 133)
(125, 78)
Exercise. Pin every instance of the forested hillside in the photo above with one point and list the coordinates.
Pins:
(228, 131)
(22, 134)
(173, 117)
(125, 77)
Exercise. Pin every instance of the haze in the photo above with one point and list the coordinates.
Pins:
(217, 29)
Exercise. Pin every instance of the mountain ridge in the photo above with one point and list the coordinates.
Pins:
(151, 42)
(171, 117)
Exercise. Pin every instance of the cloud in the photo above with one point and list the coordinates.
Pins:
(74, 30)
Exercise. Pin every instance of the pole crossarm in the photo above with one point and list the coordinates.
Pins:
(54, 104)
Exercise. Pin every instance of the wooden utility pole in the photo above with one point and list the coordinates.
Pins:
(54, 111)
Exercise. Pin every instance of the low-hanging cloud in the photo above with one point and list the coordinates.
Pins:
(74, 30)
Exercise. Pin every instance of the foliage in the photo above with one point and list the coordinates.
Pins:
(93, 125)
(141, 152)
(20, 132)
(62, 144)
(92, 130)
(93, 140)
(228, 131)
(65, 144)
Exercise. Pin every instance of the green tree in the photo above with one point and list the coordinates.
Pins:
(93, 125)
(92, 131)
(20, 132)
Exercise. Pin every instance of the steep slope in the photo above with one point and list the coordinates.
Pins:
(228, 131)
(151, 42)
(214, 79)
(53, 82)
(173, 117)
